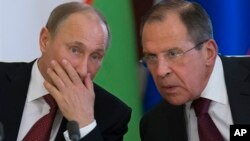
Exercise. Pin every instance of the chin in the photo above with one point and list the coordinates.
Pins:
(176, 100)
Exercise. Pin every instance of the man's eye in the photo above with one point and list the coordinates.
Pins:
(96, 57)
(173, 53)
(150, 58)
(74, 50)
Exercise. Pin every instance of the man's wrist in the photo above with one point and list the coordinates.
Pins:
(83, 131)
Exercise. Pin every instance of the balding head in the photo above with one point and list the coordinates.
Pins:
(63, 11)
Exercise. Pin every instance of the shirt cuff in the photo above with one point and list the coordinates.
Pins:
(83, 131)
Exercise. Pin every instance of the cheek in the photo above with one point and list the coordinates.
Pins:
(195, 79)
(59, 53)
(93, 69)
(74, 62)
(66, 54)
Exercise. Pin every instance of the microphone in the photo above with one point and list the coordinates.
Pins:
(73, 129)
(1, 132)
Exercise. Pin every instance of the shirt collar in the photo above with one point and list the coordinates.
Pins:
(216, 87)
(36, 88)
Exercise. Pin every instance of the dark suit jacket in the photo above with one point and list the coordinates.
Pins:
(111, 114)
(166, 122)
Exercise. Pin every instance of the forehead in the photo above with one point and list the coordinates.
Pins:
(84, 21)
(83, 27)
(166, 34)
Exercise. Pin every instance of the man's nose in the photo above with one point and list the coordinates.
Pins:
(82, 68)
(163, 68)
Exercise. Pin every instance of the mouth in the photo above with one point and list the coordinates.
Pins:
(169, 89)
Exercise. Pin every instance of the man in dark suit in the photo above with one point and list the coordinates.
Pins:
(73, 44)
(181, 54)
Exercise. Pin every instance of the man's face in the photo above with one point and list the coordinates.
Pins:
(81, 39)
(179, 79)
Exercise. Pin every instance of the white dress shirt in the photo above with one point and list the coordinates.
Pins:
(219, 109)
(36, 107)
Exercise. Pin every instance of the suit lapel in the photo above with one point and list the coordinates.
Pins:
(14, 95)
(59, 136)
(238, 89)
(175, 122)
(179, 131)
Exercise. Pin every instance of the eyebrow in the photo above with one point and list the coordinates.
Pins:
(173, 48)
(76, 43)
(99, 50)
(83, 46)
(164, 51)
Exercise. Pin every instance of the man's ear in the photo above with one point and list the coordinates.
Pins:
(211, 51)
(44, 38)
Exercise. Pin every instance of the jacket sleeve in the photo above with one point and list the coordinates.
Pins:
(115, 132)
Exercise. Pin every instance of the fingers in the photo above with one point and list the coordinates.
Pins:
(52, 90)
(65, 75)
(71, 72)
(88, 82)
(56, 80)
(75, 98)
(60, 72)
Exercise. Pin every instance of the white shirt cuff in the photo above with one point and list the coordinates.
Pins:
(83, 131)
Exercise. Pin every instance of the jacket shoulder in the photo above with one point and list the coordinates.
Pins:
(244, 61)
(5, 66)
(163, 122)
(111, 114)
(103, 96)
(158, 111)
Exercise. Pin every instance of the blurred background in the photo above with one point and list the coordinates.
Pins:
(121, 73)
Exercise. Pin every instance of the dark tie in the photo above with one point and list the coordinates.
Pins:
(41, 130)
(206, 127)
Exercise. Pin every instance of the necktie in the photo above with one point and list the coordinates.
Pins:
(41, 130)
(206, 127)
